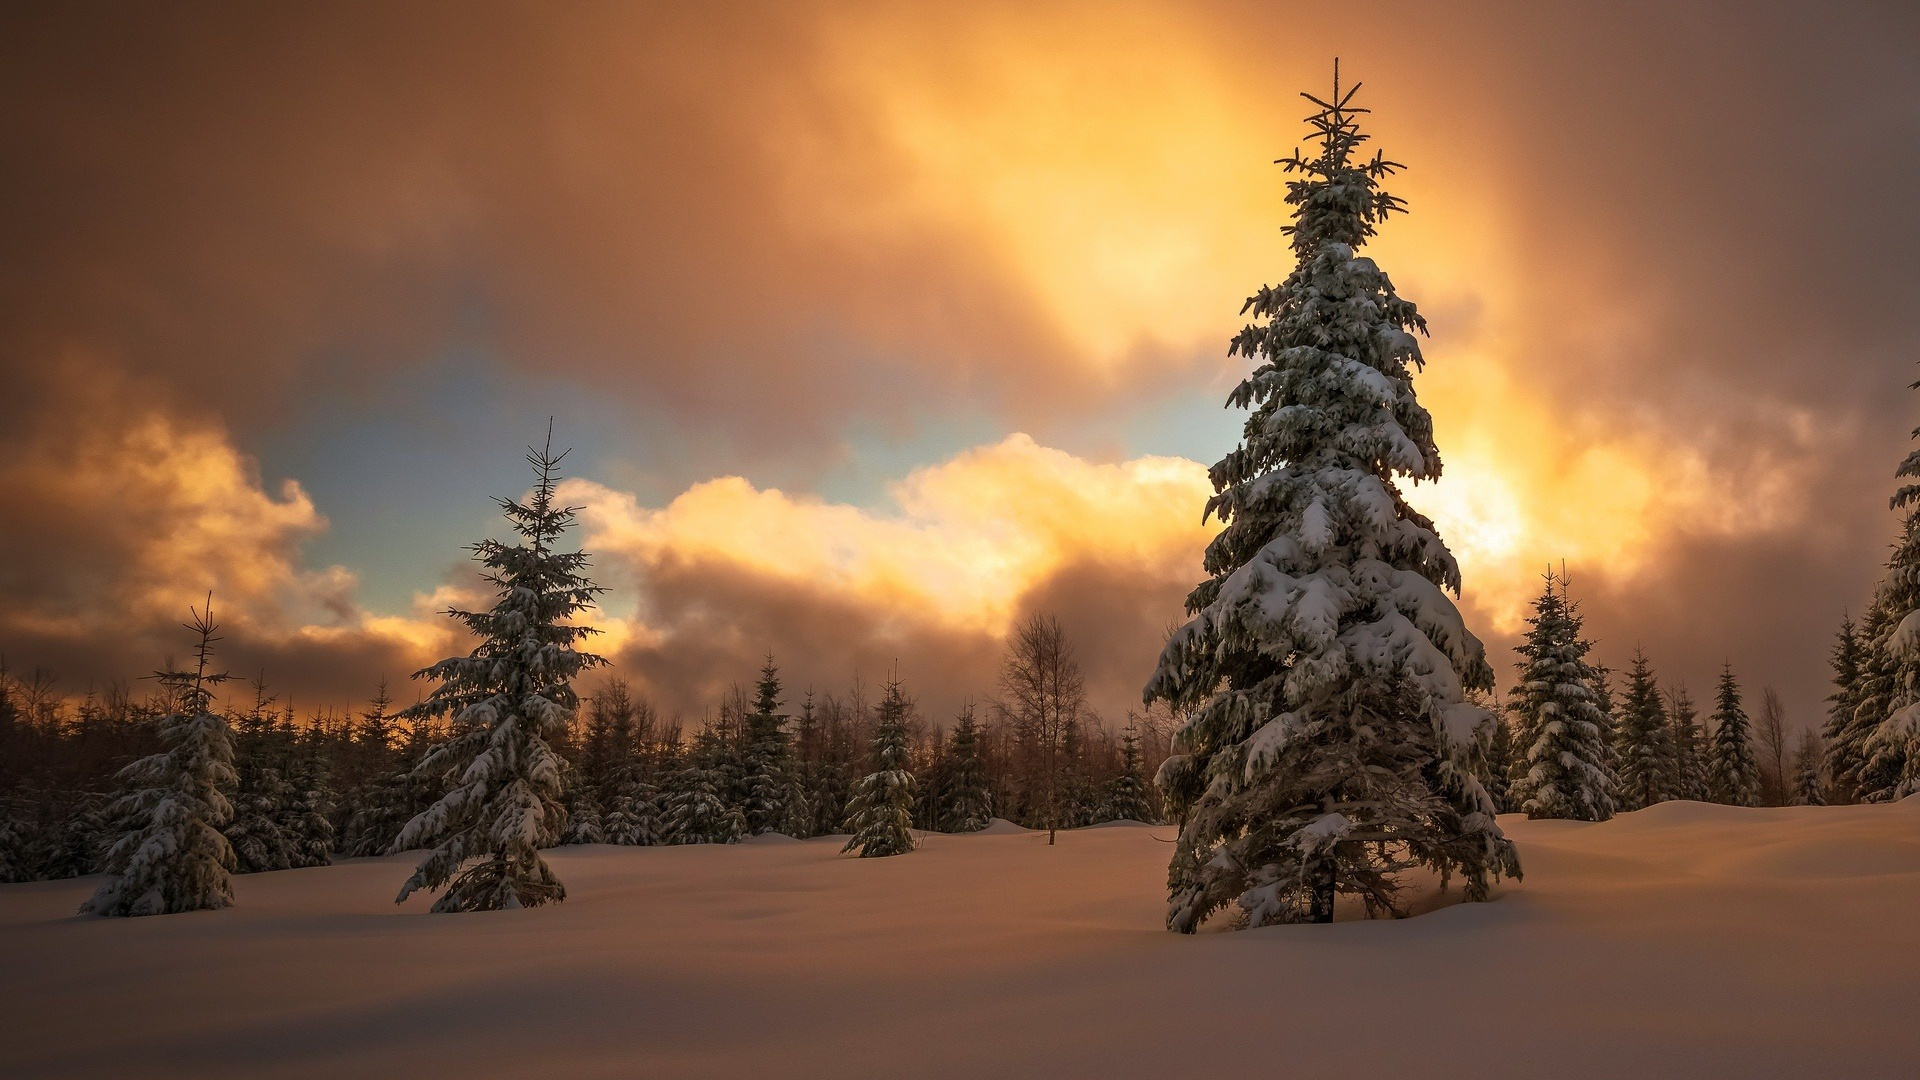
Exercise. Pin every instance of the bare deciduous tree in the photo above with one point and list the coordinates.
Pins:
(1770, 731)
(1046, 695)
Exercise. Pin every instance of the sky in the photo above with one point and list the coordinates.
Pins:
(874, 328)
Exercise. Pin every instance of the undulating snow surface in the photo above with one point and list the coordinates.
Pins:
(1681, 941)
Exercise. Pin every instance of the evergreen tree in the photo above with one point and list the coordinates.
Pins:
(1126, 795)
(632, 804)
(1644, 754)
(262, 798)
(880, 814)
(1497, 774)
(385, 800)
(969, 793)
(1874, 774)
(173, 857)
(1078, 804)
(1554, 704)
(1689, 746)
(508, 701)
(766, 785)
(1327, 746)
(1845, 750)
(696, 812)
(1733, 775)
(310, 811)
(1809, 771)
(1887, 720)
(75, 848)
(583, 811)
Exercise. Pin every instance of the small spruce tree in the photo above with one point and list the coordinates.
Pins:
(1644, 766)
(969, 803)
(1689, 746)
(766, 787)
(1566, 773)
(1733, 774)
(173, 857)
(696, 810)
(880, 814)
(509, 701)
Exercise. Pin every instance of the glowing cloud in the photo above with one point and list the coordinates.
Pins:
(968, 539)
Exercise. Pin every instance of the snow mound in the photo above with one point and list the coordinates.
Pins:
(1000, 827)
(1684, 813)
(771, 838)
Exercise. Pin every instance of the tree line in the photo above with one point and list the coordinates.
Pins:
(308, 790)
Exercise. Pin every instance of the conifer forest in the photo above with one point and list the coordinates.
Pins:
(679, 541)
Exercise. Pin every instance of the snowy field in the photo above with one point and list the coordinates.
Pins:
(1681, 941)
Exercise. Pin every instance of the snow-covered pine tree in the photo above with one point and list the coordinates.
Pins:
(508, 701)
(1874, 775)
(383, 802)
(696, 812)
(1689, 746)
(1844, 743)
(308, 821)
(1810, 770)
(263, 798)
(765, 784)
(1565, 759)
(969, 804)
(1327, 746)
(1644, 766)
(1886, 726)
(880, 814)
(632, 804)
(1126, 796)
(1733, 775)
(173, 857)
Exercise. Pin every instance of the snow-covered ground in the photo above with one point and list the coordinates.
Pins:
(1681, 941)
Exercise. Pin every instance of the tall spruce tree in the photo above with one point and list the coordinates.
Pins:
(880, 814)
(509, 701)
(1733, 774)
(173, 856)
(1327, 747)
(1644, 758)
(1887, 718)
(1689, 746)
(1564, 763)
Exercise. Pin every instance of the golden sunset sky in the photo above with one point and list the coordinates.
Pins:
(876, 326)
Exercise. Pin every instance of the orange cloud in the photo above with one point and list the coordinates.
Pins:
(966, 540)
